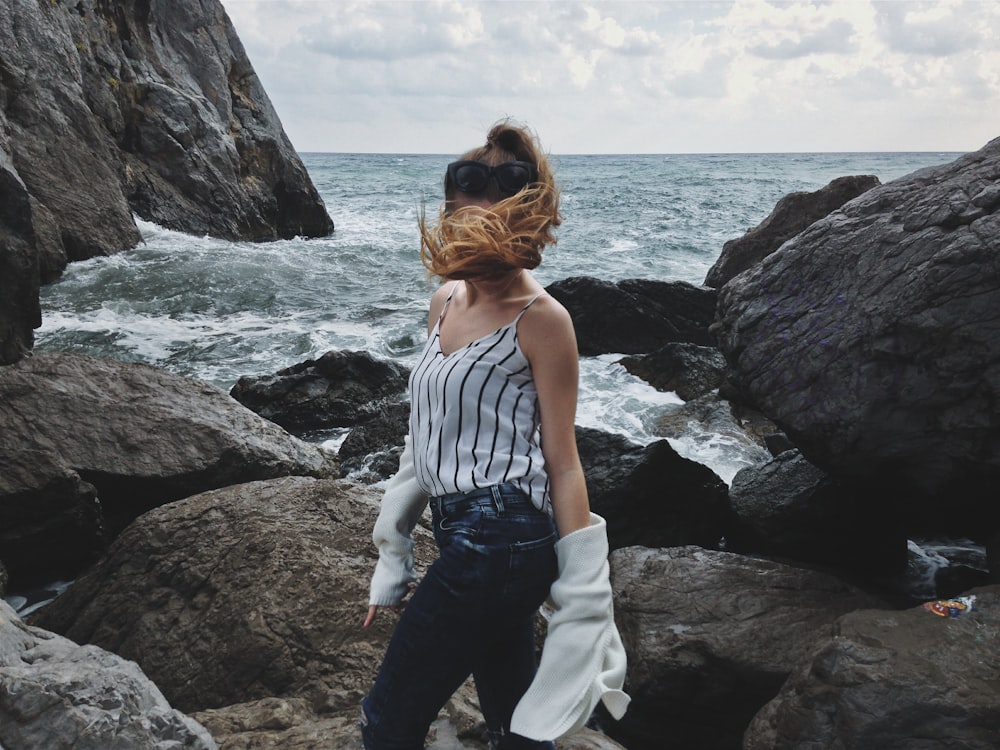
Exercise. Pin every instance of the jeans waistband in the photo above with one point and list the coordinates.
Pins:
(502, 496)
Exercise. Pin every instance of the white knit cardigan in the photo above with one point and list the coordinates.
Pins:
(402, 504)
(583, 660)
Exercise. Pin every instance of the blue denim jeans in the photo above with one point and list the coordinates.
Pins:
(472, 613)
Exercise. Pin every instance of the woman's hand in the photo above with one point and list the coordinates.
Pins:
(374, 608)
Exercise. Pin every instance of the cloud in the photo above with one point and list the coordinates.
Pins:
(932, 29)
(833, 38)
(627, 76)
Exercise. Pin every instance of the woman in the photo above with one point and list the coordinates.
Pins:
(498, 373)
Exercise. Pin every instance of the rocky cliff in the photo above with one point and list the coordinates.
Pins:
(135, 107)
(872, 339)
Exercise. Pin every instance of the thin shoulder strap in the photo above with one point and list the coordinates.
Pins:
(530, 303)
(447, 300)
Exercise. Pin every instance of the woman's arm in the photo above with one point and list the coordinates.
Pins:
(548, 341)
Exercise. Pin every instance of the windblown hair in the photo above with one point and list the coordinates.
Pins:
(474, 242)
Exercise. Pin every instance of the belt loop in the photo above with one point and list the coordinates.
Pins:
(497, 499)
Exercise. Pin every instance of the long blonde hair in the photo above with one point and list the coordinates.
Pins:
(472, 241)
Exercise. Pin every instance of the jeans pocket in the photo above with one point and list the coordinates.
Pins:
(533, 568)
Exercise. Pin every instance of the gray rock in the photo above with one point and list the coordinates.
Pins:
(140, 435)
(872, 339)
(57, 695)
(791, 215)
(882, 680)
(635, 315)
(243, 593)
(711, 637)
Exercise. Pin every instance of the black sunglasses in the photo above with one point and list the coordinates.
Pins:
(473, 176)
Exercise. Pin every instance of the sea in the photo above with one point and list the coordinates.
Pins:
(218, 310)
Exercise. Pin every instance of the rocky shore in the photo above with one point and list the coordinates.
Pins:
(220, 562)
(109, 110)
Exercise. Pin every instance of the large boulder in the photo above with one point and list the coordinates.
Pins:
(57, 694)
(635, 316)
(909, 679)
(711, 636)
(791, 215)
(242, 593)
(114, 109)
(872, 339)
(74, 427)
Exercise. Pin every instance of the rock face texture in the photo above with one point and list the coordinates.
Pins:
(873, 340)
(791, 215)
(711, 636)
(148, 107)
(86, 445)
(882, 679)
(57, 694)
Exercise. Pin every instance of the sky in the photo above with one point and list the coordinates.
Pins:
(657, 76)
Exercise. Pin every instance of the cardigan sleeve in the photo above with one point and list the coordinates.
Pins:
(402, 504)
(583, 659)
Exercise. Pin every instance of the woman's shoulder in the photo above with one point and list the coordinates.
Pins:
(546, 321)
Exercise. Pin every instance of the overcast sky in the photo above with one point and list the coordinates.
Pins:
(660, 76)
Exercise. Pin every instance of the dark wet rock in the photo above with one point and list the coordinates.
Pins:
(711, 637)
(872, 339)
(636, 315)
(20, 312)
(138, 435)
(371, 451)
(57, 694)
(892, 679)
(650, 495)
(689, 370)
(791, 509)
(791, 215)
(51, 522)
(340, 389)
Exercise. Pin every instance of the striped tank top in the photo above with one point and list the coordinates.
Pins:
(474, 417)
